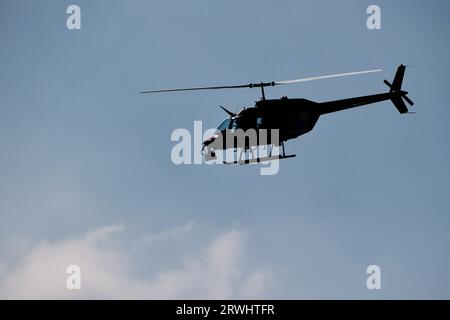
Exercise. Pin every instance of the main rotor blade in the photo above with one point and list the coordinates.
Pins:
(326, 77)
(265, 84)
(199, 88)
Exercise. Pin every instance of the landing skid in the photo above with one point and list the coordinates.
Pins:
(258, 160)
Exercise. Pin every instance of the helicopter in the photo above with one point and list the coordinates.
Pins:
(290, 118)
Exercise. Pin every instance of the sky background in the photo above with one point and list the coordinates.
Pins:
(86, 176)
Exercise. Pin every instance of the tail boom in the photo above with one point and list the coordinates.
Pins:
(395, 94)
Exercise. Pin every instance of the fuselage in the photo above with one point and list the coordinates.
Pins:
(291, 117)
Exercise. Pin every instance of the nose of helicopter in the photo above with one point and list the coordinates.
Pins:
(210, 140)
(207, 149)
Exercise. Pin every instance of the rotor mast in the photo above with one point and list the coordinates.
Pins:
(262, 85)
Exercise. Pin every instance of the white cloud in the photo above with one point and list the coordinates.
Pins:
(219, 270)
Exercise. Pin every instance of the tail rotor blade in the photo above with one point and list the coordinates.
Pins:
(408, 100)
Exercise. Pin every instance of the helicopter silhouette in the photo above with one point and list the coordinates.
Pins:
(291, 118)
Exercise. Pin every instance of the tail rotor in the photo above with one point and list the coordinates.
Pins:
(399, 96)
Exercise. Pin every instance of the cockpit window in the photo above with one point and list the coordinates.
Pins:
(258, 122)
(224, 125)
(228, 124)
(234, 124)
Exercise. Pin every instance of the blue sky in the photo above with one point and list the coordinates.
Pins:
(85, 159)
